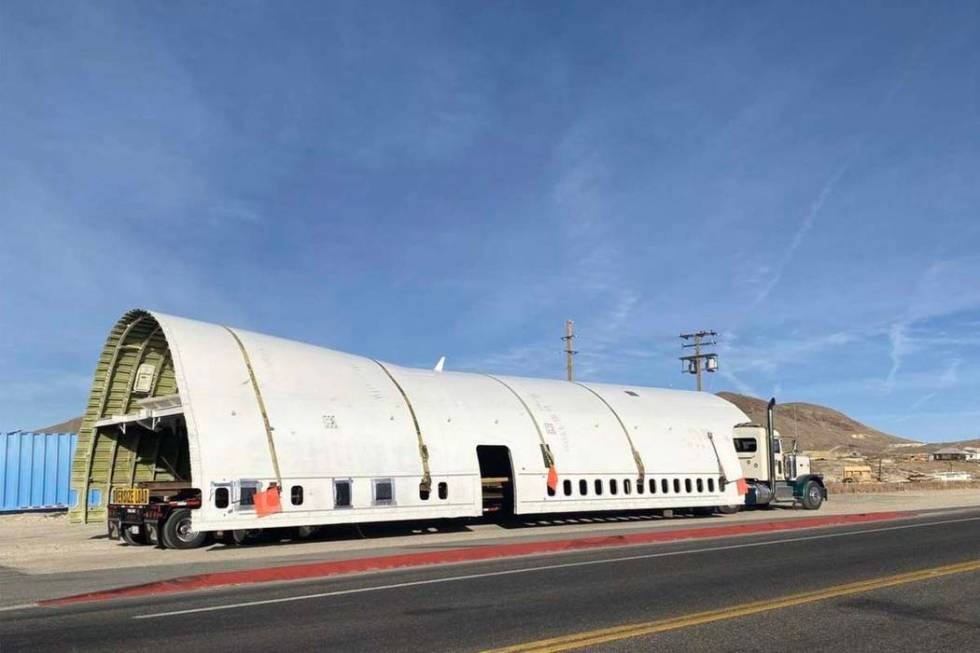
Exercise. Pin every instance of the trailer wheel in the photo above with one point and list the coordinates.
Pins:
(304, 532)
(812, 497)
(177, 532)
(133, 540)
(243, 536)
(728, 510)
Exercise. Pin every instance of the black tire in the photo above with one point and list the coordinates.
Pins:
(133, 540)
(728, 510)
(304, 532)
(243, 536)
(812, 497)
(177, 533)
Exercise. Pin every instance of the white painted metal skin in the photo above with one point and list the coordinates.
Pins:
(337, 416)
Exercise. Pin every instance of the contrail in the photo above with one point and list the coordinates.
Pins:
(805, 226)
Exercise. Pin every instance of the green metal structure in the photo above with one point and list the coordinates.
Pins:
(112, 456)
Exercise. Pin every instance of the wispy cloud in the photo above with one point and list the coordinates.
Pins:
(773, 354)
(921, 401)
(899, 344)
(740, 385)
(947, 377)
(775, 274)
(945, 287)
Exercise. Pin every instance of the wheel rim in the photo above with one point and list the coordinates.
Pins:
(184, 531)
(814, 494)
(246, 535)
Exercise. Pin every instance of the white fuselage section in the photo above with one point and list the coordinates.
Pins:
(338, 425)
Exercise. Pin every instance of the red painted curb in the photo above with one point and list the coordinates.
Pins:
(337, 567)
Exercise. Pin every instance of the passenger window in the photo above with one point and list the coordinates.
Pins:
(567, 487)
(687, 485)
(677, 486)
(583, 487)
(247, 496)
(443, 490)
(700, 484)
(627, 486)
(664, 487)
(221, 497)
(639, 486)
(551, 491)
(613, 488)
(341, 494)
(296, 495)
(653, 486)
(384, 492)
(711, 485)
(598, 486)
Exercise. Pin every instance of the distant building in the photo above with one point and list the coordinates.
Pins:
(972, 453)
(952, 477)
(857, 474)
(951, 453)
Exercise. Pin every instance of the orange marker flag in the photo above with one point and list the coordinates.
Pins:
(743, 487)
(552, 478)
(267, 501)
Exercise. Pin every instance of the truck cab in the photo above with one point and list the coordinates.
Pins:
(752, 447)
(773, 472)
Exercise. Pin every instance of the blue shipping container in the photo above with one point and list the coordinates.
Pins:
(35, 469)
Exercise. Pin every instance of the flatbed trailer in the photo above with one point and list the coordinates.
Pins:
(157, 513)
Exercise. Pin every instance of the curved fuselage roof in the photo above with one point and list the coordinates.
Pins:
(267, 409)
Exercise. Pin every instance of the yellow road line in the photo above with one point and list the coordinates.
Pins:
(604, 635)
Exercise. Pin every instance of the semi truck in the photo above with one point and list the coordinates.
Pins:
(775, 475)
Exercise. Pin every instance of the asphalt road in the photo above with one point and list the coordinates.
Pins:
(519, 601)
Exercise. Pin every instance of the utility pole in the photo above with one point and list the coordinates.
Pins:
(569, 352)
(699, 361)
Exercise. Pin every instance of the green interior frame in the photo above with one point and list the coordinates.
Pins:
(107, 457)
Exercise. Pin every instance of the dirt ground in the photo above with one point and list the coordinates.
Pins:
(923, 486)
(46, 543)
(895, 469)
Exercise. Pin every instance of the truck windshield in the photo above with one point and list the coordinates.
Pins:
(745, 445)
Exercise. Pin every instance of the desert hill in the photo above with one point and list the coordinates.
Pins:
(818, 428)
(69, 426)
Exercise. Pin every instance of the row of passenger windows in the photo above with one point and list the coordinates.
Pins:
(383, 493)
(654, 486)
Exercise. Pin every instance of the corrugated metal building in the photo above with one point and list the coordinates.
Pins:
(35, 470)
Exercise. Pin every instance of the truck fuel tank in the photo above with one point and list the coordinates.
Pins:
(758, 495)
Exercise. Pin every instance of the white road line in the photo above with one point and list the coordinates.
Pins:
(525, 570)
(22, 606)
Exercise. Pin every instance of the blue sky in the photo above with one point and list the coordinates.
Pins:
(411, 180)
